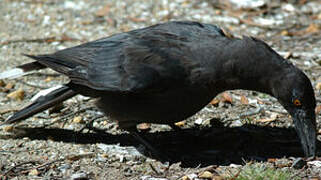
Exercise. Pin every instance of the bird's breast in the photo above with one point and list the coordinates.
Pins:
(163, 108)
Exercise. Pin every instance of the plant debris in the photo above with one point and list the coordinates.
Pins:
(239, 135)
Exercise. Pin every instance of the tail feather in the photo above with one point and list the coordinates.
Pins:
(21, 70)
(42, 103)
(53, 62)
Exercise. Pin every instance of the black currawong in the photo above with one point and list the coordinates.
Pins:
(167, 72)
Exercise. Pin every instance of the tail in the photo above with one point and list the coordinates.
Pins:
(21, 70)
(45, 100)
(42, 62)
(53, 62)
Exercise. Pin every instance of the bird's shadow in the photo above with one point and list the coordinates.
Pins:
(193, 147)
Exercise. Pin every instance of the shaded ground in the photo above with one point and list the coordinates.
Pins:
(253, 127)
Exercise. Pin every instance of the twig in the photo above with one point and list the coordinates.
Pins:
(89, 124)
(40, 40)
(7, 111)
(44, 74)
(278, 111)
(252, 23)
(48, 163)
(250, 113)
(154, 169)
(236, 175)
(32, 85)
(65, 116)
(12, 168)
(33, 162)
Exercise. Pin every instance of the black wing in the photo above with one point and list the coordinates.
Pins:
(148, 59)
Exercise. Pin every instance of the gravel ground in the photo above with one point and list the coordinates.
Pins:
(239, 127)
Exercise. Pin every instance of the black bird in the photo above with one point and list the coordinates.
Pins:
(167, 72)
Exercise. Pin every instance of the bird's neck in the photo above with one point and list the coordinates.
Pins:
(251, 68)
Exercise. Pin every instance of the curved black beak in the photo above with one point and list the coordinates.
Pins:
(305, 126)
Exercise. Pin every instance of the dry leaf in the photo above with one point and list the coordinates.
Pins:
(180, 123)
(103, 11)
(215, 102)
(244, 100)
(80, 156)
(318, 86)
(50, 138)
(272, 118)
(283, 165)
(260, 101)
(104, 155)
(134, 19)
(105, 123)
(314, 178)
(318, 109)
(48, 40)
(218, 178)
(285, 33)
(78, 119)
(205, 175)
(8, 128)
(287, 55)
(313, 28)
(9, 86)
(144, 126)
(2, 84)
(271, 160)
(228, 33)
(185, 178)
(64, 38)
(17, 95)
(227, 97)
(48, 79)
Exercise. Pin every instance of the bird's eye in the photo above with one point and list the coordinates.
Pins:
(297, 102)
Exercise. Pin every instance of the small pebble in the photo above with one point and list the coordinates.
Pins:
(198, 121)
(33, 172)
(315, 163)
(192, 176)
(63, 168)
(79, 176)
(151, 178)
(144, 126)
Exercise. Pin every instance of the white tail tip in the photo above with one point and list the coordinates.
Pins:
(13, 73)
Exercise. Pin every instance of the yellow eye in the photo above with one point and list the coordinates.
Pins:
(297, 102)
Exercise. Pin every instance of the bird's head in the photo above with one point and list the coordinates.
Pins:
(294, 91)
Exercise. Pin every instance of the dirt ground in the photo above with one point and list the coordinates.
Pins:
(237, 128)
